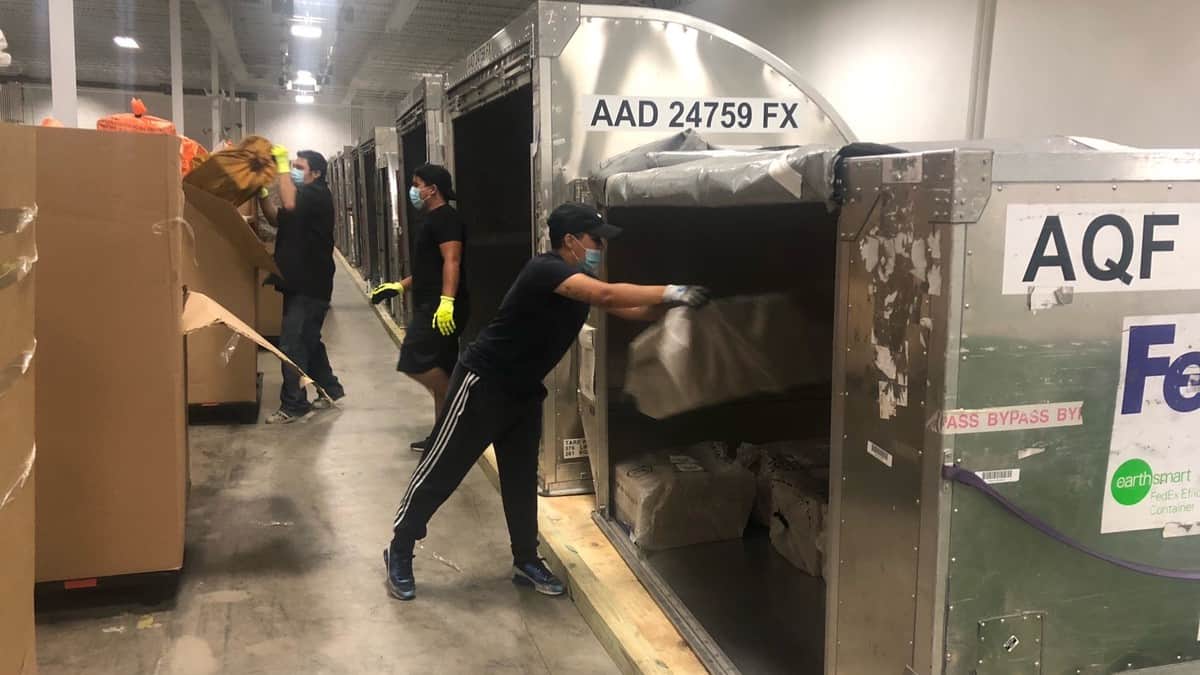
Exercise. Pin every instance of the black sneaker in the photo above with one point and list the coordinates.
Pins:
(539, 576)
(420, 446)
(400, 581)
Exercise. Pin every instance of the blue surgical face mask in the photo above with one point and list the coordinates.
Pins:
(297, 176)
(591, 261)
(414, 196)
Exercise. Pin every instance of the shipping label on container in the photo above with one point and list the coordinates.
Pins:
(1101, 248)
(575, 448)
(1153, 478)
(725, 115)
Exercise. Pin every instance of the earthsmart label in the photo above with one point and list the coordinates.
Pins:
(1153, 477)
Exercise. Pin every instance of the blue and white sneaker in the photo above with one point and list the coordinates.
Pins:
(400, 581)
(537, 575)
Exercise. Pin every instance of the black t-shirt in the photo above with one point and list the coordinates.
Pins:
(304, 245)
(533, 329)
(438, 227)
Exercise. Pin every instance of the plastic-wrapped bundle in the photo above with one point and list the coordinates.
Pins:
(784, 460)
(682, 497)
(800, 509)
(731, 349)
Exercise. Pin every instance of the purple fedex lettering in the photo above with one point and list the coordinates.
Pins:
(1178, 375)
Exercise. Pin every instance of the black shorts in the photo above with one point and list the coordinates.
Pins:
(425, 348)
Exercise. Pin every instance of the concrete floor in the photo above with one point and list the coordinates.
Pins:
(283, 570)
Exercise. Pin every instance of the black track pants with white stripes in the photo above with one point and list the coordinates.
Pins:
(479, 413)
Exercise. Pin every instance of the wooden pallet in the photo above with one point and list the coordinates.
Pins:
(146, 588)
(632, 627)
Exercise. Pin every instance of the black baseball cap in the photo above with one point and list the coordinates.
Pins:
(575, 218)
(437, 176)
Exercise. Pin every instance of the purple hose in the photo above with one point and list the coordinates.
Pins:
(957, 474)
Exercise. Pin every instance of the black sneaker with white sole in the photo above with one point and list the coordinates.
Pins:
(401, 583)
(537, 575)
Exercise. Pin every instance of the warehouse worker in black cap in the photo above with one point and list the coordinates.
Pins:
(438, 288)
(496, 391)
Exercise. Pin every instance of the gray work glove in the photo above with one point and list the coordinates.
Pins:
(686, 296)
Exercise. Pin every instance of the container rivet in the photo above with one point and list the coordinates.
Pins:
(999, 188)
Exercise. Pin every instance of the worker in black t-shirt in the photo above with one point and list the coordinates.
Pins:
(304, 255)
(437, 288)
(496, 392)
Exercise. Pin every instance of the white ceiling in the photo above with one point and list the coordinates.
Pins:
(372, 50)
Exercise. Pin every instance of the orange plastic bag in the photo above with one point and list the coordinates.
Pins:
(236, 174)
(191, 153)
(137, 120)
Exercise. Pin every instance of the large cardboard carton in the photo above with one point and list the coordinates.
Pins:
(111, 388)
(270, 304)
(222, 368)
(18, 255)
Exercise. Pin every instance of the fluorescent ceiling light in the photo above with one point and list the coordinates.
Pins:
(306, 30)
(126, 42)
(304, 98)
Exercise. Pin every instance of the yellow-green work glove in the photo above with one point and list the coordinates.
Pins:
(386, 291)
(443, 318)
(282, 165)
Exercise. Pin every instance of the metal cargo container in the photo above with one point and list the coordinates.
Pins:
(562, 88)
(1014, 386)
(386, 207)
(1022, 373)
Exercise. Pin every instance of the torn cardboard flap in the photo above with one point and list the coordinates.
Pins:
(201, 311)
(202, 207)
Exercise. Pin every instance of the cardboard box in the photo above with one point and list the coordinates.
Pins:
(18, 254)
(682, 497)
(222, 368)
(111, 389)
(270, 305)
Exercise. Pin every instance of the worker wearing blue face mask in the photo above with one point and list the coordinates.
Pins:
(496, 392)
(304, 255)
(437, 288)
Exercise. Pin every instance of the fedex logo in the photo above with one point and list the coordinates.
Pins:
(1152, 359)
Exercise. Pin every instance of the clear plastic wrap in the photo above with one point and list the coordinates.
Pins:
(731, 349)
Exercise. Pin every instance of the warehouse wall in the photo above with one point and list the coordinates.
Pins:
(325, 128)
(1125, 71)
(894, 69)
(901, 69)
